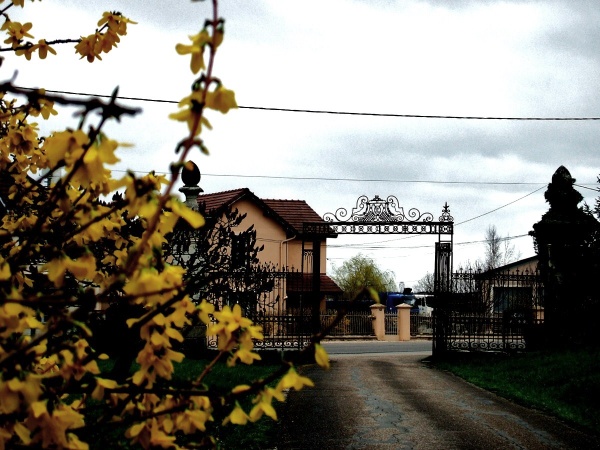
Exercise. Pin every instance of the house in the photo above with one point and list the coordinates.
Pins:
(514, 287)
(526, 265)
(279, 226)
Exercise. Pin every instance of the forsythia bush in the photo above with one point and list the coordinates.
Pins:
(65, 249)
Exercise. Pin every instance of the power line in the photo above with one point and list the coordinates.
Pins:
(374, 180)
(360, 180)
(419, 116)
(586, 187)
(345, 113)
(382, 247)
(423, 116)
(500, 207)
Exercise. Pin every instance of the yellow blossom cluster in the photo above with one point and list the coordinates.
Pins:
(112, 26)
(17, 32)
(207, 91)
(263, 401)
(159, 431)
(67, 251)
(236, 333)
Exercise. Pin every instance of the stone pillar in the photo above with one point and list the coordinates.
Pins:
(191, 196)
(190, 175)
(403, 322)
(378, 314)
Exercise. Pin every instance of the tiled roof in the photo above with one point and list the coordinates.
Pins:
(291, 214)
(303, 283)
(220, 200)
(294, 212)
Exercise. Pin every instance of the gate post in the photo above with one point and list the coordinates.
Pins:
(316, 287)
(378, 314)
(442, 292)
(403, 322)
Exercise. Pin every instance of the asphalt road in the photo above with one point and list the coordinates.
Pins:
(387, 398)
(366, 348)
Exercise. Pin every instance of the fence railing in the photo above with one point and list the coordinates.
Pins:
(489, 311)
(391, 323)
(354, 323)
(421, 325)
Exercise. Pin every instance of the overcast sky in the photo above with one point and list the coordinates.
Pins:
(432, 58)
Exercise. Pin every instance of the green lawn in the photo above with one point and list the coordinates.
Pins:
(564, 383)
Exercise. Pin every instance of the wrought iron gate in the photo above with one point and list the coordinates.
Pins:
(385, 216)
(288, 321)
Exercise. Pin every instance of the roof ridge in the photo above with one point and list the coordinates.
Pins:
(202, 194)
(283, 200)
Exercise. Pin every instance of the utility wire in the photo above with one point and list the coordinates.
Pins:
(381, 247)
(374, 180)
(500, 207)
(420, 116)
(361, 180)
(344, 113)
(586, 187)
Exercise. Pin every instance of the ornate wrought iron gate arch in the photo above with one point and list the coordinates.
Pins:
(384, 216)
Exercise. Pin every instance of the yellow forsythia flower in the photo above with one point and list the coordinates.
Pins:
(4, 271)
(87, 47)
(221, 99)
(194, 218)
(263, 406)
(196, 49)
(238, 416)
(43, 48)
(321, 356)
(64, 145)
(116, 22)
(16, 32)
(293, 380)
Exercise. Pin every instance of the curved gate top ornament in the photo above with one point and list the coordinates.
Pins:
(379, 216)
(378, 210)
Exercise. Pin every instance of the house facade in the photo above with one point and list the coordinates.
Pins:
(515, 287)
(286, 248)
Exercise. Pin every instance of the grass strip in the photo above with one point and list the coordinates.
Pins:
(564, 383)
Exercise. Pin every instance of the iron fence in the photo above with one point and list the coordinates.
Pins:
(494, 310)
(421, 325)
(391, 323)
(283, 306)
(354, 323)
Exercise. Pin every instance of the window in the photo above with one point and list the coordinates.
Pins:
(240, 251)
(512, 298)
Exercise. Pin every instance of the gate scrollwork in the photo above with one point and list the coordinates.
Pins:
(378, 210)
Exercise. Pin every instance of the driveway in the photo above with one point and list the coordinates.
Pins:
(393, 400)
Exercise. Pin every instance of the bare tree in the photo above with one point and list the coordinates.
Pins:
(221, 262)
(425, 284)
(498, 250)
(493, 248)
